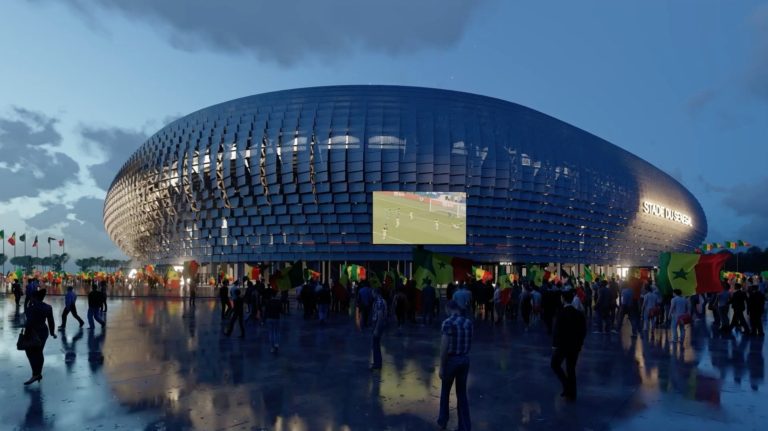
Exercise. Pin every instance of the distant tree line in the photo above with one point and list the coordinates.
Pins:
(101, 264)
(54, 262)
(753, 260)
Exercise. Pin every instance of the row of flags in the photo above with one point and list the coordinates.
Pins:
(23, 238)
(731, 245)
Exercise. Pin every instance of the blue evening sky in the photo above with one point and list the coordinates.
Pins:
(682, 84)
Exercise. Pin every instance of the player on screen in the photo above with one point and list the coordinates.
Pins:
(384, 232)
(410, 215)
(397, 221)
(437, 225)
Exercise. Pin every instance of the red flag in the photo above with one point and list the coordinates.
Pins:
(708, 272)
(34, 244)
(61, 243)
(12, 239)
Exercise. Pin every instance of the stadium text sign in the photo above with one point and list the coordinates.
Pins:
(661, 211)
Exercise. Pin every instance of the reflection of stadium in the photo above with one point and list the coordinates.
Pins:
(290, 175)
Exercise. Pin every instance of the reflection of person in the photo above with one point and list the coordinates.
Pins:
(69, 307)
(454, 365)
(567, 338)
(237, 314)
(380, 323)
(38, 315)
(272, 315)
(224, 297)
(755, 308)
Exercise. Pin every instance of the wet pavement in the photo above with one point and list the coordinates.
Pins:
(163, 365)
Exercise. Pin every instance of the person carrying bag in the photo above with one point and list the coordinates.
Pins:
(34, 335)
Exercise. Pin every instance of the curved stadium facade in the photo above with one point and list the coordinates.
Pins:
(290, 175)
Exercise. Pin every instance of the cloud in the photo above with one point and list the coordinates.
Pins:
(118, 144)
(32, 159)
(757, 72)
(52, 215)
(699, 101)
(288, 31)
(753, 208)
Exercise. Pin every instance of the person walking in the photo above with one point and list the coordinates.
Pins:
(323, 301)
(679, 312)
(455, 344)
(568, 332)
(739, 304)
(237, 314)
(755, 309)
(39, 324)
(364, 302)
(30, 292)
(498, 305)
(463, 297)
(629, 308)
(69, 307)
(17, 292)
(651, 302)
(272, 316)
(379, 325)
(723, 307)
(95, 306)
(224, 298)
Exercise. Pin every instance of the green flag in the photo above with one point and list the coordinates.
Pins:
(443, 268)
(2, 234)
(536, 275)
(588, 275)
(23, 237)
(665, 288)
(505, 280)
(424, 270)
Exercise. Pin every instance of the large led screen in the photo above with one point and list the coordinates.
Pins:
(419, 218)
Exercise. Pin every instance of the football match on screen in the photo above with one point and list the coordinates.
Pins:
(419, 218)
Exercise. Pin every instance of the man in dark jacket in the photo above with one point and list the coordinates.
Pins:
(755, 308)
(739, 305)
(568, 334)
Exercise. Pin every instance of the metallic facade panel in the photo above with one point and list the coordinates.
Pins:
(288, 175)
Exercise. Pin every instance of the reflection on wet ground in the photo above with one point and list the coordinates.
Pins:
(163, 365)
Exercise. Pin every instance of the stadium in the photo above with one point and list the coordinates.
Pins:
(365, 173)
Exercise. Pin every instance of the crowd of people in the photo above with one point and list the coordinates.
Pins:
(565, 309)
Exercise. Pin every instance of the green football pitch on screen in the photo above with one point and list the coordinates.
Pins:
(419, 218)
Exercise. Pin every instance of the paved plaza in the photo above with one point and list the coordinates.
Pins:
(162, 365)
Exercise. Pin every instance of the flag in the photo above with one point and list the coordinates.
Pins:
(536, 275)
(34, 243)
(691, 273)
(743, 243)
(588, 275)
(61, 243)
(173, 277)
(310, 274)
(23, 237)
(2, 234)
(731, 244)
(353, 272)
(373, 280)
(12, 239)
(505, 280)
(253, 272)
(288, 278)
(481, 274)
(50, 238)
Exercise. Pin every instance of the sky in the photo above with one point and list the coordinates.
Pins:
(682, 84)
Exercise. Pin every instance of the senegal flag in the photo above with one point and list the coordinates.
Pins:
(588, 275)
(290, 277)
(691, 273)
(438, 268)
(536, 275)
(481, 274)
